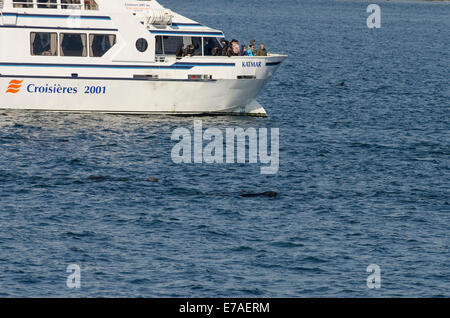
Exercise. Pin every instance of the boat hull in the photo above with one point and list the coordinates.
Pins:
(133, 96)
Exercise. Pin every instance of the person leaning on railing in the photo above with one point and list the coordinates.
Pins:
(180, 51)
(262, 50)
(250, 50)
(243, 51)
(190, 50)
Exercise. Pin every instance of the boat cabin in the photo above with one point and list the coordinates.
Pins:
(140, 31)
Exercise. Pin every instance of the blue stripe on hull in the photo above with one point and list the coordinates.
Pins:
(56, 16)
(176, 25)
(109, 78)
(176, 66)
(55, 28)
(187, 33)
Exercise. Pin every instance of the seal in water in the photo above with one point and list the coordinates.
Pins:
(269, 194)
(98, 178)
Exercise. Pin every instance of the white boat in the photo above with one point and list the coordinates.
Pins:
(119, 56)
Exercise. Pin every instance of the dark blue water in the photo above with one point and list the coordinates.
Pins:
(364, 173)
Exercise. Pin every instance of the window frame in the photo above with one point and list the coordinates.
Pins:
(174, 49)
(143, 41)
(162, 45)
(71, 6)
(49, 4)
(22, 4)
(57, 44)
(105, 34)
(86, 42)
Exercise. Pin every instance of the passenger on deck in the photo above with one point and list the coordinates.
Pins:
(70, 4)
(190, 50)
(208, 46)
(250, 50)
(228, 51)
(216, 51)
(46, 4)
(261, 51)
(180, 51)
(225, 47)
(90, 5)
(235, 47)
(243, 51)
(252, 44)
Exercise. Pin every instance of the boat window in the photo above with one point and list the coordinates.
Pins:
(22, 3)
(73, 44)
(209, 44)
(159, 45)
(44, 43)
(142, 45)
(171, 44)
(47, 4)
(99, 44)
(70, 4)
(90, 5)
(197, 42)
(54, 4)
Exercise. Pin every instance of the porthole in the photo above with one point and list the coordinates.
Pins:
(141, 45)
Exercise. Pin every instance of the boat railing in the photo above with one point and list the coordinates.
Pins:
(55, 4)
